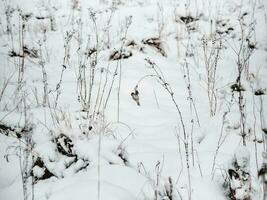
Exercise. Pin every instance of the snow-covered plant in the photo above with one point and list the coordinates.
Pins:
(21, 71)
(87, 63)
(23, 149)
(211, 50)
(65, 63)
(166, 190)
(161, 79)
(263, 171)
(44, 77)
(221, 140)
(8, 14)
(4, 83)
(243, 53)
(238, 183)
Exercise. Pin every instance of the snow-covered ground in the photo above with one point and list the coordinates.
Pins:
(132, 99)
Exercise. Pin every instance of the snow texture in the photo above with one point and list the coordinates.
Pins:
(133, 99)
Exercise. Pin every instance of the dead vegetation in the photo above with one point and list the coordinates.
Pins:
(156, 43)
(118, 55)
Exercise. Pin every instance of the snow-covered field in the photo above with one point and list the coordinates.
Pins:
(133, 99)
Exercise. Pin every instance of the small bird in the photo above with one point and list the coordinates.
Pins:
(135, 96)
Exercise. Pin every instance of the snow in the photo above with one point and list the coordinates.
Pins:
(119, 150)
(114, 184)
(38, 171)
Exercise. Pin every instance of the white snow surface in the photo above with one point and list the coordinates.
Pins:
(131, 152)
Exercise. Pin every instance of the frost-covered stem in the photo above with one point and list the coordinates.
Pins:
(190, 96)
(53, 114)
(254, 130)
(8, 13)
(169, 190)
(107, 28)
(157, 102)
(93, 62)
(243, 55)
(198, 163)
(156, 187)
(81, 80)
(4, 87)
(101, 130)
(263, 171)
(192, 142)
(128, 22)
(167, 87)
(115, 73)
(32, 182)
(158, 171)
(241, 107)
(180, 153)
(96, 111)
(103, 89)
(144, 77)
(22, 25)
(58, 87)
(86, 82)
(98, 165)
(52, 20)
(219, 143)
(118, 94)
(263, 123)
(188, 80)
(22, 172)
(25, 153)
(44, 74)
(64, 65)
(188, 169)
(192, 106)
(211, 58)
